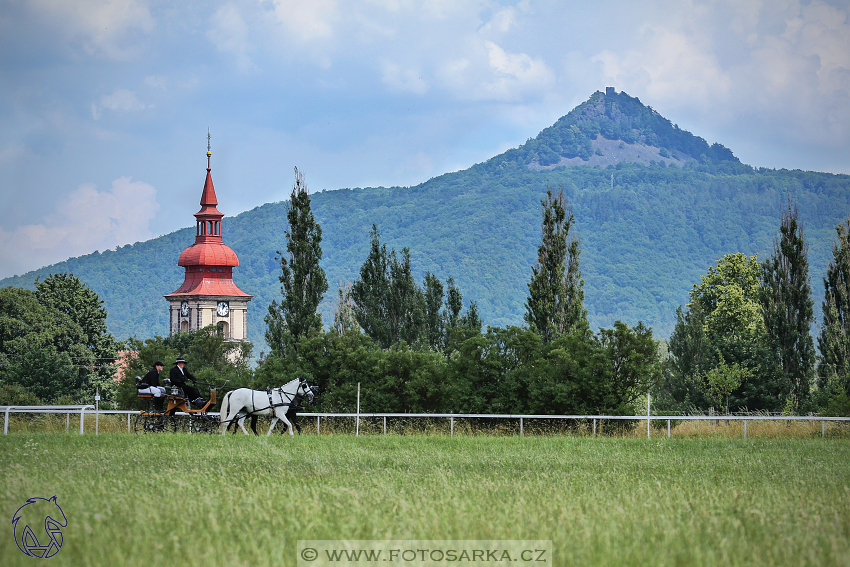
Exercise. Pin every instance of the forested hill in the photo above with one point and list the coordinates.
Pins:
(654, 207)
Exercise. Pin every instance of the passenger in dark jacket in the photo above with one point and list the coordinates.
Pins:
(153, 388)
(179, 375)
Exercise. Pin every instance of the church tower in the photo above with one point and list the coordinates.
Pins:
(208, 295)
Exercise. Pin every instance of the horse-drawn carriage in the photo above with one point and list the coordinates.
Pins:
(154, 418)
(236, 406)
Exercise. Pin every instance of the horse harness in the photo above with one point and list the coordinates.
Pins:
(291, 400)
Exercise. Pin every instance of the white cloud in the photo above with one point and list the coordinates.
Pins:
(100, 27)
(494, 74)
(229, 33)
(86, 220)
(797, 68)
(157, 82)
(822, 33)
(121, 100)
(671, 65)
(403, 79)
(502, 21)
(306, 20)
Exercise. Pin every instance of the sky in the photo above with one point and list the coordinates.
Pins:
(105, 105)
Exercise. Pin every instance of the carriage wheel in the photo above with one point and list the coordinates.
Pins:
(149, 423)
(203, 423)
(139, 423)
(176, 424)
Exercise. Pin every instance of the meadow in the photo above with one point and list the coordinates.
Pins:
(236, 500)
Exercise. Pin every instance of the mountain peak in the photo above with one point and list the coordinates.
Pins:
(611, 128)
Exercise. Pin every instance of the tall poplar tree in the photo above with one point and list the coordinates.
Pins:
(454, 303)
(834, 340)
(370, 291)
(344, 320)
(303, 281)
(406, 301)
(435, 327)
(555, 303)
(789, 309)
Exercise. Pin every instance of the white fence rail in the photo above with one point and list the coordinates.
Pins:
(68, 410)
(89, 409)
(596, 418)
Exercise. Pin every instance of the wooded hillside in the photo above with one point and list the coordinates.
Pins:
(648, 231)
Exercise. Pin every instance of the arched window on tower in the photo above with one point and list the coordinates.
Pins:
(222, 329)
(184, 326)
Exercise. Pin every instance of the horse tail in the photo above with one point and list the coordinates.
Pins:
(225, 405)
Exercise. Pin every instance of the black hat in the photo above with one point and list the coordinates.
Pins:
(180, 359)
(158, 363)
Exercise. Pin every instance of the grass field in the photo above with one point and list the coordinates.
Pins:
(166, 499)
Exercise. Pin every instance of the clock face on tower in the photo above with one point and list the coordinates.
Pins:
(184, 308)
(223, 308)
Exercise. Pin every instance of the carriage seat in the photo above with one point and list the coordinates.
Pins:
(142, 386)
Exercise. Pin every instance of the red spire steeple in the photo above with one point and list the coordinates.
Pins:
(209, 262)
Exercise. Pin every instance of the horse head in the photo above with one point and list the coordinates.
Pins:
(305, 389)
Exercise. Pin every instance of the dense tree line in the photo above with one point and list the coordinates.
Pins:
(412, 350)
(744, 341)
(647, 233)
(54, 344)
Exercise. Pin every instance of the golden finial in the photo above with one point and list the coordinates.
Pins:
(209, 153)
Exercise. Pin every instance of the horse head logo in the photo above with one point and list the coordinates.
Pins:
(38, 527)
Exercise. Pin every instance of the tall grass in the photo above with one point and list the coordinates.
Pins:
(236, 500)
(112, 423)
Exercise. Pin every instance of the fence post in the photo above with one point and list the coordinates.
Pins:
(823, 428)
(452, 425)
(318, 423)
(745, 429)
(668, 429)
(648, 413)
(594, 427)
(82, 417)
(357, 432)
(128, 423)
(6, 422)
(520, 426)
(385, 425)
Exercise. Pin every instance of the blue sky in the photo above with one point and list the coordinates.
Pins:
(105, 104)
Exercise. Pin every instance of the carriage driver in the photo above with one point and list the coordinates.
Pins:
(153, 388)
(178, 376)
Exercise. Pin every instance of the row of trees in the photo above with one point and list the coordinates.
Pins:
(744, 340)
(413, 350)
(54, 344)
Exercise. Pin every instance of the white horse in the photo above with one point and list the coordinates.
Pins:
(239, 404)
